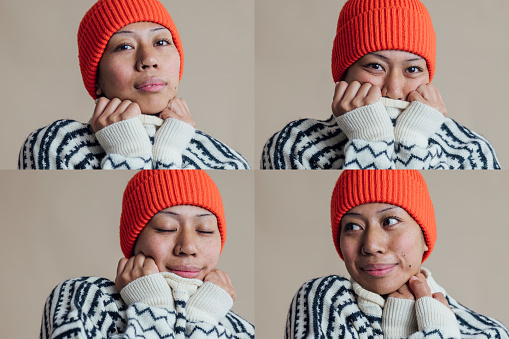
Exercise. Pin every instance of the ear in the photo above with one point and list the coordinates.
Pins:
(98, 90)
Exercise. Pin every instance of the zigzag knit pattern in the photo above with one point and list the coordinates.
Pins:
(321, 144)
(328, 307)
(91, 307)
(69, 144)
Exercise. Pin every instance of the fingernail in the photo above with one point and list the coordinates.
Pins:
(413, 278)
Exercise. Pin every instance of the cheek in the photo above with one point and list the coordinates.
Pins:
(113, 77)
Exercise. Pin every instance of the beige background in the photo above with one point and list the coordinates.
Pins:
(294, 242)
(293, 47)
(41, 80)
(59, 225)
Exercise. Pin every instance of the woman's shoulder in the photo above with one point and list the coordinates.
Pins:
(309, 127)
(236, 324)
(207, 152)
(329, 284)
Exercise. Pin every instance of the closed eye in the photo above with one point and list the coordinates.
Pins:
(165, 230)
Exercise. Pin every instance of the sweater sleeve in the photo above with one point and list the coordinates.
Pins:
(371, 138)
(64, 144)
(127, 145)
(429, 316)
(92, 308)
(171, 140)
(425, 139)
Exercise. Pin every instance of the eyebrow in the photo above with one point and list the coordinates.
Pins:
(377, 212)
(177, 214)
(131, 32)
(387, 59)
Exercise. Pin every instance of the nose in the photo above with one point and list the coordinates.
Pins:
(393, 86)
(374, 241)
(186, 243)
(146, 58)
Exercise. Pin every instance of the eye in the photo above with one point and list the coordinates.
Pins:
(165, 230)
(351, 227)
(390, 221)
(205, 232)
(123, 47)
(375, 66)
(162, 42)
(414, 69)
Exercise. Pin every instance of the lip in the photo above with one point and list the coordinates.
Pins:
(185, 271)
(150, 85)
(378, 270)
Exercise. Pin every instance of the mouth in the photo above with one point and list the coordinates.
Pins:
(185, 271)
(150, 85)
(378, 270)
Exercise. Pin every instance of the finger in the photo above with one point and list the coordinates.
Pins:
(100, 106)
(374, 95)
(419, 286)
(351, 91)
(359, 99)
(131, 111)
(121, 266)
(117, 113)
(440, 297)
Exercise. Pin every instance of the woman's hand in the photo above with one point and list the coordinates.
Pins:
(221, 279)
(108, 112)
(349, 96)
(428, 95)
(133, 268)
(177, 109)
(416, 288)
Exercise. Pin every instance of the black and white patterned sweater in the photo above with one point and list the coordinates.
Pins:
(377, 137)
(335, 307)
(161, 305)
(144, 142)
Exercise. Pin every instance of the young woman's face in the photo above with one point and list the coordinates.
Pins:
(382, 246)
(397, 73)
(182, 239)
(140, 63)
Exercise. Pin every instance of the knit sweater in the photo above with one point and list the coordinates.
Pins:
(142, 142)
(335, 307)
(161, 305)
(401, 135)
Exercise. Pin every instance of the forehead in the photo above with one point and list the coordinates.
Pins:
(142, 27)
(395, 55)
(373, 208)
(189, 211)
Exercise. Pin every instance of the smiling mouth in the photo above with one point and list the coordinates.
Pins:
(378, 270)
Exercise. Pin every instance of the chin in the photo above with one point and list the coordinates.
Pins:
(152, 109)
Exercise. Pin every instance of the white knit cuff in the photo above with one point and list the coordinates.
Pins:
(399, 319)
(126, 137)
(209, 304)
(417, 124)
(152, 290)
(370, 123)
(171, 140)
(431, 313)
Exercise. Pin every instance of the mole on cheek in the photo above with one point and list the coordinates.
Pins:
(409, 266)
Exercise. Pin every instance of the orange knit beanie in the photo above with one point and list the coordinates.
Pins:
(404, 188)
(366, 26)
(108, 16)
(151, 191)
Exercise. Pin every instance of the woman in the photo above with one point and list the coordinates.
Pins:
(383, 227)
(386, 113)
(172, 232)
(131, 60)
